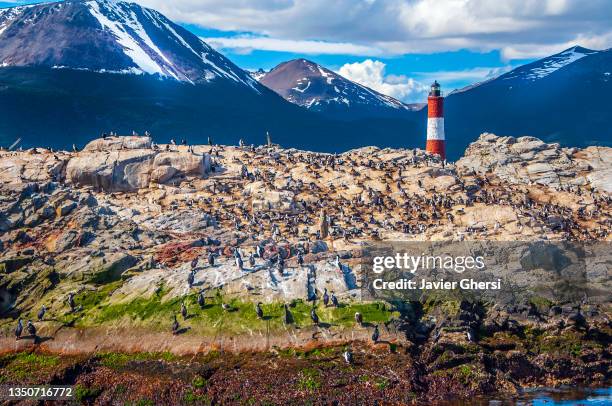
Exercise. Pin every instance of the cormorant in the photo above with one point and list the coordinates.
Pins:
(18, 329)
(334, 300)
(314, 317)
(300, 259)
(348, 356)
(259, 311)
(190, 279)
(325, 297)
(175, 325)
(358, 318)
(251, 260)
(211, 259)
(201, 299)
(71, 301)
(375, 334)
(471, 335)
(194, 263)
(41, 313)
(239, 263)
(31, 328)
(184, 311)
(260, 251)
(337, 262)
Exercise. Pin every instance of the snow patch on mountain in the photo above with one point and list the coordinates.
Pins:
(544, 67)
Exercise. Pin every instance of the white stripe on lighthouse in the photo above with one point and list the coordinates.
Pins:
(435, 128)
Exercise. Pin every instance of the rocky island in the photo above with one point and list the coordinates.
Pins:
(167, 274)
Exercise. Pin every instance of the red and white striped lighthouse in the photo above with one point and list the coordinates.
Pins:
(436, 142)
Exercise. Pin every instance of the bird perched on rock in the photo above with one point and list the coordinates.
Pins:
(471, 335)
(184, 311)
(251, 260)
(358, 318)
(334, 300)
(375, 335)
(71, 301)
(18, 329)
(194, 263)
(175, 325)
(348, 356)
(314, 317)
(211, 259)
(259, 251)
(41, 313)
(239, 263)
(31, 328)
(259, 311)
(201, 299)
(337, 262)
(190, 279)
(300, 259)
(325, 298)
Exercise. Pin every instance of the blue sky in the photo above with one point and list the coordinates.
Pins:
(397, 47)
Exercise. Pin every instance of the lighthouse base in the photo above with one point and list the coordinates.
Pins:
(436, 147)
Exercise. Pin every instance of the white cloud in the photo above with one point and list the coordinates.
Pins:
(372, 74)
(246, 44)
(520, 27)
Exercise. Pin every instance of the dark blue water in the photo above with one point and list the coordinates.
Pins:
(555, 397)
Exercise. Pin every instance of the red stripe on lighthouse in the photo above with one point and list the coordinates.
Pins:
(436, 147)
(435, 106)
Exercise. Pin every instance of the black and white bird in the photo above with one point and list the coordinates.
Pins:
(260, 251)
(201, 299)
(31, 329)
(348, 356)
(358, 318)
(334, 300)
(314, 317)
(375, 335)
(41, 313)
(239, 263)
(471, 335)
(71, 301)
(190, 279)
(251, 260)
(225, 306)
(337, 262)
(18, 329)
(259, 311)
(325, 298)
(211, 259)
(194, 263)
(175, 325)
(184, 311)
(300, 259)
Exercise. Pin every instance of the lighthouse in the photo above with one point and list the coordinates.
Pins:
(436, 143)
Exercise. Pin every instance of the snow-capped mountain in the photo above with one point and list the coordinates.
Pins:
(544, 67)
(317, 88)
(258, 74)
(110, 36)
(561, 98)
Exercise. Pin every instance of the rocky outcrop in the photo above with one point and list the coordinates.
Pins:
(129, 163)
(118, 143)
(35, 165)
(528, 160)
